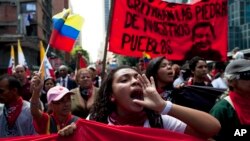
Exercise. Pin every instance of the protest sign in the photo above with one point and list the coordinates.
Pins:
(177, 31)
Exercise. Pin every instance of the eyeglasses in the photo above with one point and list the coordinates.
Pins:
(239, 76)
(244, 76)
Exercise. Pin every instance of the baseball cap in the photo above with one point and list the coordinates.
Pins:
(236, 49)
(92, 67)
(238, 66)
(56, 93)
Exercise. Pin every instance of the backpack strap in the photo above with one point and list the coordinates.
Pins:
(228, 99)
(52, 126)
(73, 119)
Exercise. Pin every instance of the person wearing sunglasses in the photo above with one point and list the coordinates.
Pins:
(15, 115)
(233, 111)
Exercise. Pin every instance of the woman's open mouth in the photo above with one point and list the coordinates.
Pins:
(137, 94)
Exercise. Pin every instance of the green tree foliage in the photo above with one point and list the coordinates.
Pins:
(73, 55)
(125, 60)
(75, 50)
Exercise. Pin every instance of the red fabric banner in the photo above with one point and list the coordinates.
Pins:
(177, 31)
(82, 62)
(94, 131)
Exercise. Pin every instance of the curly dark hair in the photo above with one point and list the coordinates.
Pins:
(103, 106)
(153, 67)
(194, 61)
(47, 79)
(12, 82)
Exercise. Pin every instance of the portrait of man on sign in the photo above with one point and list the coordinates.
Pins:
(203, 35)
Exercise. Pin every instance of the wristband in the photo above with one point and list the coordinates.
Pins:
(167, 108)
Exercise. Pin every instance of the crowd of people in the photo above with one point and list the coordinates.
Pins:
(147, 96)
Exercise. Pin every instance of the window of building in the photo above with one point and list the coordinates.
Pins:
(236, 7)
(232, 7)
(28, 22)
(241, 5)
(28, 7)
(242, 20)
(237, 14)
(236, 42)
(244, 44)
(248, 19)
(237, 22)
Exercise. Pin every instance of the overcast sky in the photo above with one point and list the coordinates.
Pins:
(93, 26)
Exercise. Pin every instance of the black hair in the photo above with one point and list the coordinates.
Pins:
(47, 79)
(103, 106)
(153, 67)
(12, 81)
(193, 62)
(201, 25)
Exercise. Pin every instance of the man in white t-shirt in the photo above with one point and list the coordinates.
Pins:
(237, 54)
(220, 82)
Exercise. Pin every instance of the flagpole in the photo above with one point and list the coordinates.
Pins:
(106, 40)
(47, 49)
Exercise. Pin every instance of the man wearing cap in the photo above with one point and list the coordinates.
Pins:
(58, 98)
(233, 111)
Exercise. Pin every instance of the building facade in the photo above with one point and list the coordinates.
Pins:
(29, 21)
(239, 24)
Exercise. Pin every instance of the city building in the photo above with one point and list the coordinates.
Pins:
(107, 5)
(239, 25)
(29, 21)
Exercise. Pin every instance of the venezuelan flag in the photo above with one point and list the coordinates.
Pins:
(66, 28)
(146, 57)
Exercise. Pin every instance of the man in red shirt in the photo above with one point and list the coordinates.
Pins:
(58, 98)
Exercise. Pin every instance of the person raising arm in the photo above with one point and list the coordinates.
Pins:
(59, 98)
(126, 98)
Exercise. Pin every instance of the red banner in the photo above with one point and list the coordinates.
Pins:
(94, 131)
(177, 31)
